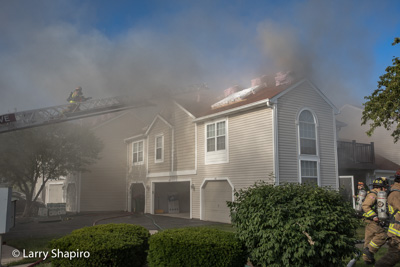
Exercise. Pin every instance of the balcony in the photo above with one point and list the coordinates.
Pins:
(353, 155)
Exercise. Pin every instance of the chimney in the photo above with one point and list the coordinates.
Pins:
(282, 78)
(231, 90)
(263, 81)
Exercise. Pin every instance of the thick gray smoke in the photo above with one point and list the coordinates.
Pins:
(330, 42)
(47, 48)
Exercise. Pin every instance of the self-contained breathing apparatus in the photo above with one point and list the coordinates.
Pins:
(381, 204)
(391, 211)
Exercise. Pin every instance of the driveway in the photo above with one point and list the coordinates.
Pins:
(59, 226)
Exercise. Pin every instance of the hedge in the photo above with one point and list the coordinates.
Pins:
(108, 245)
(196, 246)
(294, 225)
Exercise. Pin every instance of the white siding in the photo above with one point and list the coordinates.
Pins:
(184, 140)
(289, 105)
(250, 152)
(159, 128)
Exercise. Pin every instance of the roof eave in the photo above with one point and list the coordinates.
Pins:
(234, 110)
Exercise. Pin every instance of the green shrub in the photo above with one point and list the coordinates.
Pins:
(294, 225)
(196, 246)
(108, 245)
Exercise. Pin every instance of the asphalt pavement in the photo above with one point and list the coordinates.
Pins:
(58, 226)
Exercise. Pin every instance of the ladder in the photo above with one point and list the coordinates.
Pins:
(39, 117)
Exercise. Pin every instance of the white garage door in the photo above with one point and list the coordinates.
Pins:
(55, 193)
(216, 194)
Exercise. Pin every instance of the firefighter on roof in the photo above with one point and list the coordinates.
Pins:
(393, 254)
(375, 235)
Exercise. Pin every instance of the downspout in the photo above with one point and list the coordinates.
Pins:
(127, 179)
(275, 138)
(172, 150)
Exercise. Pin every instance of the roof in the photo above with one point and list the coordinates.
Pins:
(383, 163)
(202, 106)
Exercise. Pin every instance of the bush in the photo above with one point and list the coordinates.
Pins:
(196, 246)
(108, 245)
(294, 225)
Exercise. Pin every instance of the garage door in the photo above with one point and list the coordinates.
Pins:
(215, 196)
(55, 193)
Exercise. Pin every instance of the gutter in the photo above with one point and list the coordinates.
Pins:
(234, 110)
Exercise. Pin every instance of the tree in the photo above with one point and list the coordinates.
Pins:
(383, 106)
(45, 153)
(294, 225)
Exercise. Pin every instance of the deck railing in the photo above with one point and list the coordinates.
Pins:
(355, 152)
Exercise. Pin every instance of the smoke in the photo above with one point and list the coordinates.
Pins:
(330, 42)
(49, 48)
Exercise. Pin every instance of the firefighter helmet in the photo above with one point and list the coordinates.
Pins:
(380, 182)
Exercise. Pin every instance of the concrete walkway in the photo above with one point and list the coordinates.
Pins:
(7, 255)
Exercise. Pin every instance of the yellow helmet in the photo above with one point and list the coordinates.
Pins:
(380, 182)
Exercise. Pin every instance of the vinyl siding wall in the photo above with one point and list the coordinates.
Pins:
(183, 132)
(159, 128)
(288, 108)
(184, 150)
(250, 137)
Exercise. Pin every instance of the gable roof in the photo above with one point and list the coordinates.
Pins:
(245, 99)
(158, 117)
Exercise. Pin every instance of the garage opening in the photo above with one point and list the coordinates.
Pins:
(137, 198)
(172, 198)
(71, 198)
(214, 198)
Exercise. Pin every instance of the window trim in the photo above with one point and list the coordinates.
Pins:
(162, 148)
(308, 157)
(313, 159)
(222, 156)
(133, 152)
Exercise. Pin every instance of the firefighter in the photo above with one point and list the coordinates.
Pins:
(392, 257)
(75, 98)
(375, 235)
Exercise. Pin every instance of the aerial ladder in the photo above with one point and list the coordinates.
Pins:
(57, 114)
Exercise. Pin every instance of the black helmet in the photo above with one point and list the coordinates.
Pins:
(380, 182)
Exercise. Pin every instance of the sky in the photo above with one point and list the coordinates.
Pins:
(142, 48)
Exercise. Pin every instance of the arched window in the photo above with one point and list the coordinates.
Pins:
(308, 141)
(308, 148)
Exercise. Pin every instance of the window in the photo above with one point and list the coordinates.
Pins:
(216, 136)
(309, 172)
(308, 142)
(137, 152)
(216, 142)
(159, 145)
(308, 148)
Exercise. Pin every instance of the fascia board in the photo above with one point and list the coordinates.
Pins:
(234, 110)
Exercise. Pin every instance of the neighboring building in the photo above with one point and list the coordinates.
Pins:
(195, 154)
(53, 191)
(103, 187)
(370, 157)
